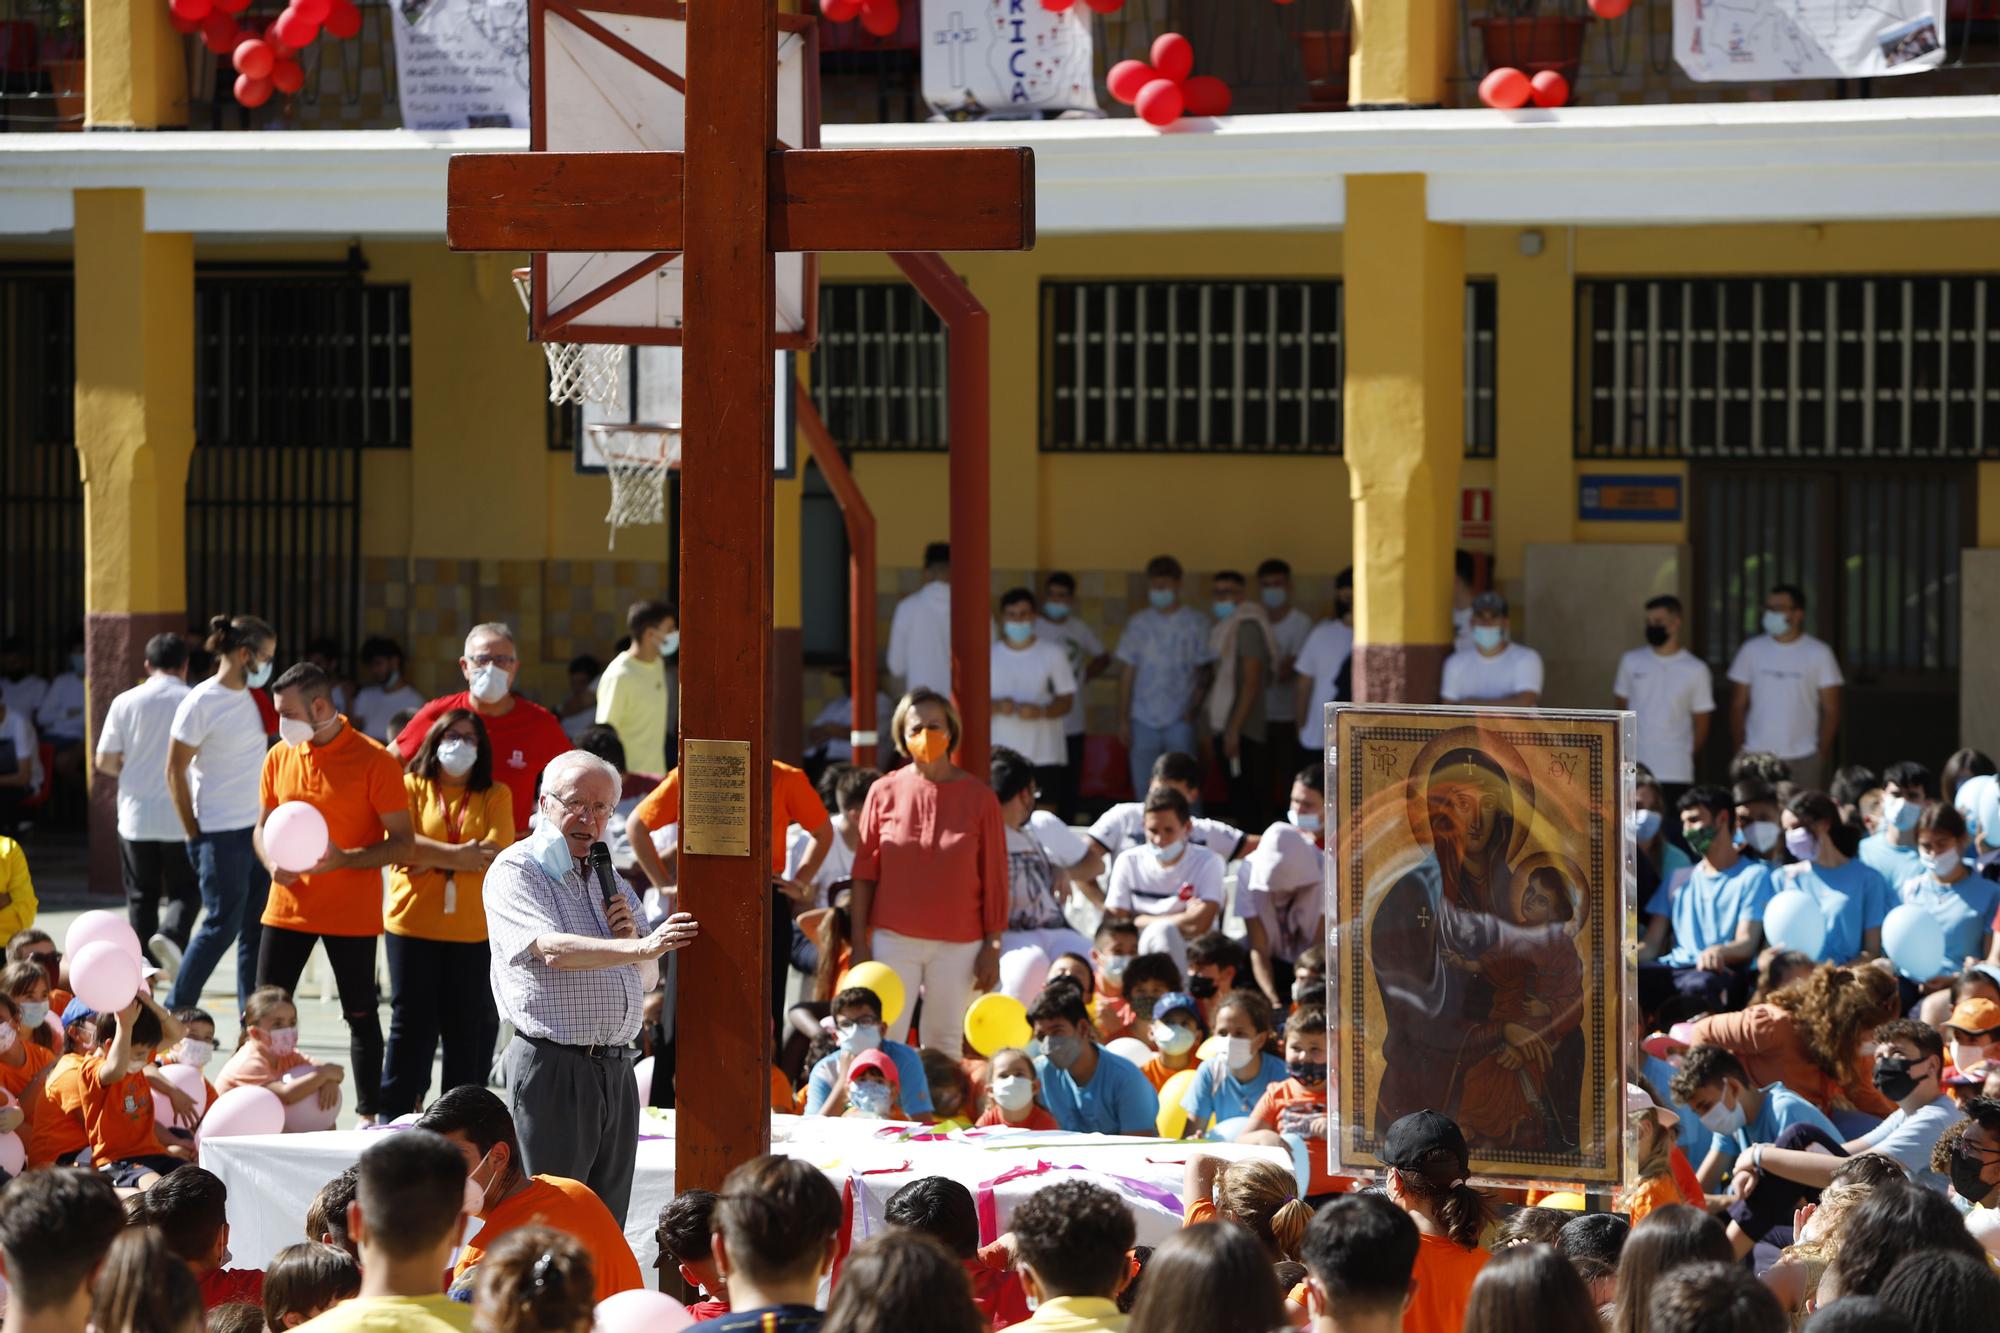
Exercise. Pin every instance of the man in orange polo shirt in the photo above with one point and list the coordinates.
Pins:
(479, 1123)
(357, 786)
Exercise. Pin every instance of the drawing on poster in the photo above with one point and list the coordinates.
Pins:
(1765, 40)
(462, 64)
(1005, 60)
(1479, 905)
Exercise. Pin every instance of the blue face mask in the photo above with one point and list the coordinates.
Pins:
(1487, 637)
(1017, 631)
(258, 676)
(1223, 610)
(869, 1098)
(552, 848)
(1056, 610)
(1273, 597)
(1303, 820)
(670, 643)
(1646, 825)
(1161, 598)
(1166, 852)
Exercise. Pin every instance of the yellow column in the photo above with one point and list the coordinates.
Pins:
(1405, 431)
(1402, 52)
(136, 73)
(1534, 496)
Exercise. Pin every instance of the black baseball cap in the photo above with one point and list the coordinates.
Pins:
(1414, 1138)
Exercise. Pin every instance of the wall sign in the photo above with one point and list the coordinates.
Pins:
(1615, 498)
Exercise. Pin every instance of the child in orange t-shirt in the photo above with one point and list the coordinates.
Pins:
(1177, 1033)
(23, 1062)
(1015, 1093)
(1653, 1142)
(270, 1049)
(125, 1143)
(59, 1137)
(1296, 1106)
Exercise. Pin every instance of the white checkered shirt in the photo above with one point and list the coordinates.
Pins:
(601, 1007)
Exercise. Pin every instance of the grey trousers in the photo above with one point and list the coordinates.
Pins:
(577, 1115)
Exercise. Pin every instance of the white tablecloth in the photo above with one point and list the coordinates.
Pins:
(272, 1179)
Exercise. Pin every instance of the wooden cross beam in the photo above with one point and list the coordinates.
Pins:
(729, 203)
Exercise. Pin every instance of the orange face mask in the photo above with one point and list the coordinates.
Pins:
(929, 746)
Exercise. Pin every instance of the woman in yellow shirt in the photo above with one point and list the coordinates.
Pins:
(436, 922)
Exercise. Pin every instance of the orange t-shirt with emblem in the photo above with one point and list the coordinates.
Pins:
(417, 894)
(572, 1208)
(34, 1058)
(793, 801)
(352, 781)
(118, 1115)
(1268, 1113)
(57, 1119)
(1444, 1276)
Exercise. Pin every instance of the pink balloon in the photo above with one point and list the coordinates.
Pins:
(642, 1311)
(101, 925)
(295, 835)
(1160, 102)
(1173, 56)
(189, 1080)
(105, 976)
(243, 1111)
(306, 1115)
(13, 1153)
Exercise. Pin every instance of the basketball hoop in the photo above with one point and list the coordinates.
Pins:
(638, 458)
(578, 372)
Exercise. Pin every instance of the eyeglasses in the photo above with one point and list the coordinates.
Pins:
(595, 809)
(53, 956)
(493, 659)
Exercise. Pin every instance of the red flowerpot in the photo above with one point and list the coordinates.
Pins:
(1536, 43)
(66, 83)
(1323, 55)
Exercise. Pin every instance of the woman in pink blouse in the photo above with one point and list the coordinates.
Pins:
(930, 875)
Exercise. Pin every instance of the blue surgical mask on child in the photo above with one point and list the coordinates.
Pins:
(869, 1098)
(1161, 598)
(1018, 631)
(1223, 610)
(1487, 637)
(1056, 610)
(859, 1036)
(1272, 597)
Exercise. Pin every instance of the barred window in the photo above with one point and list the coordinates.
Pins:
(1789, 368)
(1247, 367)
(879, 373)
(301, 361)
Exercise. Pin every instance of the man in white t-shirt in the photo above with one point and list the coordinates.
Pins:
(1289, 628)
(1669, 688)
(920, 631)
(1170, 888)
(1787, 696)
(1325, 670)
(386, 694)
(1060, 623)
(1045, 859)
(152, 845)
(1123, 826)
(1493, 670)
(1032, 689)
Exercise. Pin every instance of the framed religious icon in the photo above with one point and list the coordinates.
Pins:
(1481, 898)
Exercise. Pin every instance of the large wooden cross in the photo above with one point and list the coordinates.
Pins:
(729, 203)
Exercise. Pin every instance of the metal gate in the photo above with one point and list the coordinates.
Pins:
(41, 491)
(1876, 548)
(295, 374)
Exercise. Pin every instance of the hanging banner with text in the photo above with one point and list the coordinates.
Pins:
(1005, 60)
(462, 64)
(1764, 41)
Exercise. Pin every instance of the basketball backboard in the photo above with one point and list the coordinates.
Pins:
(652, 392)
(609, 77)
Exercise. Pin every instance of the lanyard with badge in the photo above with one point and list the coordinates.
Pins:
(454, 825)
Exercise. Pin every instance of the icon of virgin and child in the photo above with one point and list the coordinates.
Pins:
(1473, 946)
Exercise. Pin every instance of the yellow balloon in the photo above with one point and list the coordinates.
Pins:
(882, 979)
(1214, 1046)
(995, 1022)
(1567, 1200)
(1172, 1120)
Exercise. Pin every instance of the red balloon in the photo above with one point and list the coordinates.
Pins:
(1124, 79)
(1549, 89)
(314, 10)
(184, 26)
(252, 92)
(343, 20)
(881, 18)
(192, 10)
(1160, 102)
(1106, 6)
(219, 33)
(294, 29)
(839, 11)
(1057, 6)
(1207, 95)
(253, 59)
(232, 6)
(1173, 56)
(278, 48)
(1505, 88)
(1610, 9)
(286, 76)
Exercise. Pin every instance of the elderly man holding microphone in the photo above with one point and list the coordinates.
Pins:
(570, 971)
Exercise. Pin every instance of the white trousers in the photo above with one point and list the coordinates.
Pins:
(942, 970)
(1161, 938)
(1027, 955)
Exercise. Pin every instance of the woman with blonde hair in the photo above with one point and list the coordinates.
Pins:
(930, 873)
(1815, 1037)
(1257, 1195)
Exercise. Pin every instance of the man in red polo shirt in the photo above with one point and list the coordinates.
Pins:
(524, 735)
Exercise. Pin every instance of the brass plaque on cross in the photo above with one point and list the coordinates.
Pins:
(715, 797)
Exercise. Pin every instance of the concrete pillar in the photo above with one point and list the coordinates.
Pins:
(134, 435)
(1403, 52)
(1405, 432)
(135, 75)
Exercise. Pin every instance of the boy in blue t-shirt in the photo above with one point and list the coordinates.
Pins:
(1088, 1089)
(1715, 911)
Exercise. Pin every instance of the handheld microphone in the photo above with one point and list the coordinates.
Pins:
(600, 865)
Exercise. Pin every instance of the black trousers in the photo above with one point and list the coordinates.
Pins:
(1058, 788)
(440, 990)
(1249, 784)
(156, 873)
(281, 961)
(1767, 1214)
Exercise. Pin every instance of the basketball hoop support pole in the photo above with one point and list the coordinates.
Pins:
(860, 521)
(969, 369)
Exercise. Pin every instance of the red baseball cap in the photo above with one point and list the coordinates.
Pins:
(878, 1062)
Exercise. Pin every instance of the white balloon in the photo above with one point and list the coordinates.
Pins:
(1138, 1052)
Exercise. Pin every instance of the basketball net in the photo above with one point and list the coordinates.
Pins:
(578, 372)
(638, 458)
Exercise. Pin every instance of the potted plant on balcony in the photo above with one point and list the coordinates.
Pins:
(1516, 33)
(1323, 55)
(61, 23)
